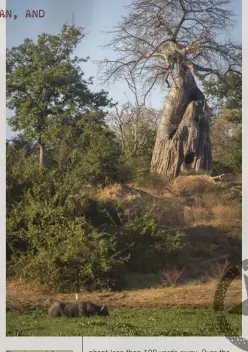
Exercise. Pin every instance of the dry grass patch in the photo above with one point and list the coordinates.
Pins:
(26, 298)
(117, 191)
(218, 215)
(197, 215)
(210, 200)
(109, 192)
(169, 212)
(193, 184)
(212, 208)
(225, 214)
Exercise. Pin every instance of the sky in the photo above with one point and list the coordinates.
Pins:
(96, 16)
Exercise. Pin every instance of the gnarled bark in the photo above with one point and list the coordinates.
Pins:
(183, 139)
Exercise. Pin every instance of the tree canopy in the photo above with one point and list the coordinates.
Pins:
(157, 37)
(227, 95)
(46, 88)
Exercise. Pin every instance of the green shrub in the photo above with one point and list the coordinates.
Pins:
(151, 249)
(102, 163)
(69, 244)
(71, 256)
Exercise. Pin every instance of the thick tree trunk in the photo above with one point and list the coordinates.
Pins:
(42, 155)
(183, 139)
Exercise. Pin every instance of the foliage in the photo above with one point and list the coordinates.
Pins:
(227, 93)
(45, 87)
(56, 238)
(226, 132)
(20, 170)
(70, 256)
(56, 235)
(151, 248)
(101, 163)
(227, 149)
(61, 248)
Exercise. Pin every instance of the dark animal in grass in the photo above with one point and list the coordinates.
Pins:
(76, 309)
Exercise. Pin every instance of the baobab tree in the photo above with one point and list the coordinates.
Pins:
(173, 43)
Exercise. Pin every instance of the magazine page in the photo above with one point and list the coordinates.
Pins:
(122, 176)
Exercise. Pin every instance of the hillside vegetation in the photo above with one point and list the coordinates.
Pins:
(86, 215)
(190, 228)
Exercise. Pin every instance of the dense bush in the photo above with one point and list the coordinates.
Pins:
(70, 255)
(102, 162)
(151, 249)
(69, 243)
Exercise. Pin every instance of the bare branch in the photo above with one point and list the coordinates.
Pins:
(159, 37)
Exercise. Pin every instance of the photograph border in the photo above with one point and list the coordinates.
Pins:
(117, 343)
(3, 175)
(244, 154)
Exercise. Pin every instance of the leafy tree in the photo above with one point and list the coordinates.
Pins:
(226, 134)
(45, 87)
(21, 169)
(227, 146)
(101, 164)
(226, 93)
